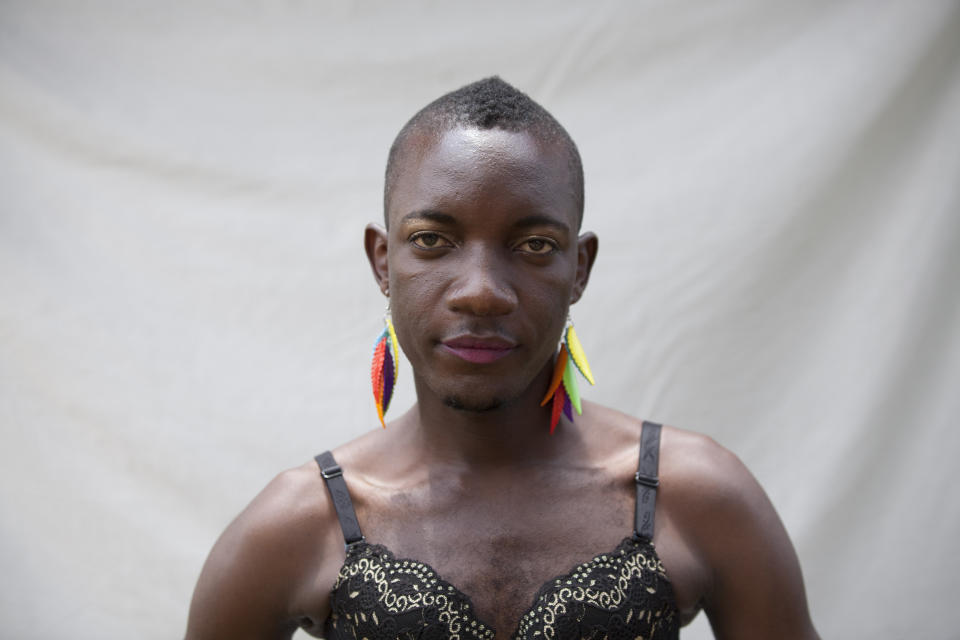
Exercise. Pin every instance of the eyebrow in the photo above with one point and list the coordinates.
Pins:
(538, 220)
(535, 220)
(429, 214)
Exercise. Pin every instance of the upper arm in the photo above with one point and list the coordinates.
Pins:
(265, 565)
(756, 587)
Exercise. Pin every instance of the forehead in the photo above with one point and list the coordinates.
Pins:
(467, 166)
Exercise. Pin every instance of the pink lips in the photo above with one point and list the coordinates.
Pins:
(478, 350)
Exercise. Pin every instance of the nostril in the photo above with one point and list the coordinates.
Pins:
(482, 296)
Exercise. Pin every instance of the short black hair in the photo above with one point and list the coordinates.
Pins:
(490, 103)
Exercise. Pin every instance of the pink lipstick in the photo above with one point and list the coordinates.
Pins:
(477, 349)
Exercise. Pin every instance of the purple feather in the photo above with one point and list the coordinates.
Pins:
(389, 375)
(567, 408)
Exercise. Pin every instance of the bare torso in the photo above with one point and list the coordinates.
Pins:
(497, 532)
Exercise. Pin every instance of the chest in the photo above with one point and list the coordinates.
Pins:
(499, 544)
(621, 593)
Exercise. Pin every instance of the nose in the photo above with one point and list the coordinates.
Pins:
(483, 285)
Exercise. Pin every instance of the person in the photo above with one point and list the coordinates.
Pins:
(491, 507)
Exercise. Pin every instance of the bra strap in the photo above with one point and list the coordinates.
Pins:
(647, 481)
(333, 478)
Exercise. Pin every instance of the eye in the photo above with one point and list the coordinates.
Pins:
(537, 246)
(429, 240)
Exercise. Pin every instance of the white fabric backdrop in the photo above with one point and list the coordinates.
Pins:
(185, 309)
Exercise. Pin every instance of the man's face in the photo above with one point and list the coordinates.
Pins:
(482, 262)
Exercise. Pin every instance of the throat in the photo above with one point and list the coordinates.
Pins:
(494, 434)
(482, 422)
(470, 406)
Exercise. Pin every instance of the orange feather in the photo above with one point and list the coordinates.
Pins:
(558, 368)
(376, 376)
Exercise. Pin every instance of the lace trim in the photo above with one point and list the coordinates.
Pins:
(383, 597)
(621, 594)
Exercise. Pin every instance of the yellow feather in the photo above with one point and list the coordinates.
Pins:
(395, 349)
(573, 392)
(577, 355)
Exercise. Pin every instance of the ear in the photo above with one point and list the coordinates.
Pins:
(587, 245)
(375, 244)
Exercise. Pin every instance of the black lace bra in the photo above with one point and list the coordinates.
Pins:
(621, 594)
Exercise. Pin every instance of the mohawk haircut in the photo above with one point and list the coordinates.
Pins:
(490, 103)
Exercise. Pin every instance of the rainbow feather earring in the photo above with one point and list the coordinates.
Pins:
(385, 367)
(563, 393)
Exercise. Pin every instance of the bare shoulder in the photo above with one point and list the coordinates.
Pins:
(294, 506)
(690, 461)
(270, 569)
(698, 468)
(709, 491)
(698, 476)
(753, 583)
(694, 466)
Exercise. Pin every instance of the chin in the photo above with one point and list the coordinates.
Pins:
(473, 405)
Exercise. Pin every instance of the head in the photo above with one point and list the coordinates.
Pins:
(486, 104)
(481, 255)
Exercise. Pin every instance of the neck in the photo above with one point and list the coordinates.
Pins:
(518, 431)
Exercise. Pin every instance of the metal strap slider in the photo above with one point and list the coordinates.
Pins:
(331, 472)
(648, 481)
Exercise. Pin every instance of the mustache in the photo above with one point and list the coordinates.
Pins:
(493, 329)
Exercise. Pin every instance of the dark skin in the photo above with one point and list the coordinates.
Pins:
(483, 246)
